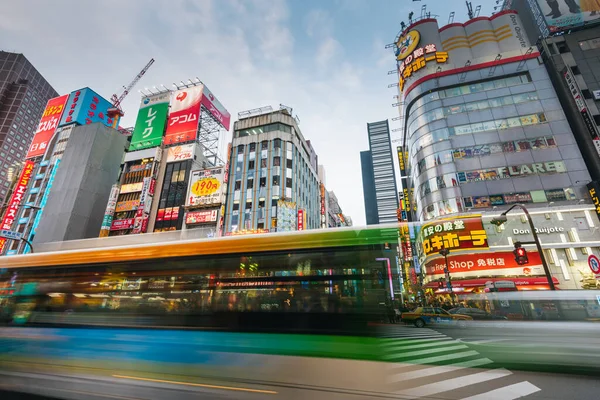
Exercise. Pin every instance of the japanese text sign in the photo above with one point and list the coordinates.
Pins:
(181, 152)
(198, 217)
(47, 126)
(206, 187)
(414, 63)
(15, 201)
(86, 107)
(594, 190)
(216, 109)
(184, 115)
(494, 264)
(300, 224)
(150, 122)
(452, 234)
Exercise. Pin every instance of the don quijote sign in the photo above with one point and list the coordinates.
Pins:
(547, 230)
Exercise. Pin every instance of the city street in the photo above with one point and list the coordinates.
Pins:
(487, 361)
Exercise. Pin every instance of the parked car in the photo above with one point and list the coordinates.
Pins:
(422, 316)
(475, 313)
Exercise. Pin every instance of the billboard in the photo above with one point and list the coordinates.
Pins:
(216, 109)
(300, 219)
(47, 126)
(286, 216)
(184, 114)
(564, 14)
(199, 217)
(181, 152)
(206, 187)
(15, 201)
(150, 122)
(86, 107)
(110, 211)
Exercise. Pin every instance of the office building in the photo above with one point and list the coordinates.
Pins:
(23, 96)
(383, 173)
(335, 216)
(368, 182)
(273, 175)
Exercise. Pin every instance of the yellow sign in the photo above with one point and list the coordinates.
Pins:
(132, 187)
(406, 200)
(127, 205)
(206, 186)
(407, 44)
(408, 66)
(457, 233)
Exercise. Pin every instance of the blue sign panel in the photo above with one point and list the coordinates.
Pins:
(23, 220)
(34, 190)
(86, 107)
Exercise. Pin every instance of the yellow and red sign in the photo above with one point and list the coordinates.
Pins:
(408, 66)
(407, 44)
(184, 115)
(127, 205)
(47, 126)
(488, 264)
(459, 233)
(17, 197)
(300, 219)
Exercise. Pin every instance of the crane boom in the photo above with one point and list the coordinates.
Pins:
(117, 100)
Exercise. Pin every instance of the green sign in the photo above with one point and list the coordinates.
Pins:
(150, 123)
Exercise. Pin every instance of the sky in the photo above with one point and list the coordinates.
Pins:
(324, 58)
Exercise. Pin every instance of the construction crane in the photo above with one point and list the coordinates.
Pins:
(116, 110)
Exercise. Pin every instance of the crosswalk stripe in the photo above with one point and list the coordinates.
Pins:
(445, 357)
(454, 383)
(421, 345)
(428, 351)
(511, 392)
(423, 372)
(415, 341)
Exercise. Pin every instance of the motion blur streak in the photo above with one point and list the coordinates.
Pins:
(197, 385)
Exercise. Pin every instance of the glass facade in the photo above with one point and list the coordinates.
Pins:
(386, 193)
(489, 142)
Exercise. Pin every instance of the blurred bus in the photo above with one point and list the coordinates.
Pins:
(331, 280)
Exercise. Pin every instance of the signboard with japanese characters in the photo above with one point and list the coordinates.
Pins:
(47, 126)
(460, 233)
(206, 187)
(594, 191)
(199, 217)
(181, 152)
(86, 107)
(412, 58)
(150, 123)
(485, 264)
(110, 211)
(184, 115)
(15, 201)
(580, 102)
(121, 224)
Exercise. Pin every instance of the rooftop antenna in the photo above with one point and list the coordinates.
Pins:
(423, 10)
(470, 10)
(451, 17)
(477, 10)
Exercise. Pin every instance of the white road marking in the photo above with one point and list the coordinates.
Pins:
(410, 342)
(424, 352)
(511, 392)
(422, 345)
(423, 372)
(438, 359)
(454, 383)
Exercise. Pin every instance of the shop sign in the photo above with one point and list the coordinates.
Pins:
(199, 217)
(491, 264)
(402, 157)
(300, 219)
(121, 224)
(180, 153)
(549, 230)
(145, 198)
(247, 232)
(127, 205)
(580, 102)
(132, 187)
(206, 187)
(594, 191)
(412, 59)
(455, 234)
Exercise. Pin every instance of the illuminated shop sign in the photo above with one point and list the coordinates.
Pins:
(491, 264)
(455, 234)
(594, 190)
(412, 59)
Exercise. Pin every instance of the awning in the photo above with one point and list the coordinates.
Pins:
(467, 283)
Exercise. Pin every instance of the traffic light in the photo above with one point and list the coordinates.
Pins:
(520, 254)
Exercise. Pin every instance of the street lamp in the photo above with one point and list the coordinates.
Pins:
(502, 219)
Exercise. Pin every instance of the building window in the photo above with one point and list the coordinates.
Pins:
(275, 180)
(288, 182)
(288, 163)
(238, 185)
(277, 143)
(250, 184)
(586, 93)
(575, 70)
(562, 47)
(251, 164)
(263, 182)
(252, 147)
(597, 119)
(264, 145)
(276, 161)
(240, 149)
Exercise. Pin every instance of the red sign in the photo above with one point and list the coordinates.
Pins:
(121, 224)
(491, 264)
(183, 117)
(300, 219)
(215, 107)
(15, 201)
(483, 281)
(594, 264)
(47, 126)
(199, 217)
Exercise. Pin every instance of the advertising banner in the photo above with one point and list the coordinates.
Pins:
(132, 187)
(181, 152)
(86, 107)
(286, 216)
(110, 211)
(15, 201)
(184, 115)
(150, 122)
(146, 197)
(561, 15)
(47, 126)
(486, 264)
(199, 217)
(300, 219)
(206, 187)
(121, 224)
(459, 233)
(216, 109)
(127, 205)
(580, 102)
(594, 189)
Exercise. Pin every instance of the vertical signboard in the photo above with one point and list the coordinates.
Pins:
(582, 106)
(141, 215)
(150, 122)
(110, 211)
(206, 187)
(86, 107)
(323, 216)
(15, 201)
(216, 109)
(300, 219)
(594, 190)
(47, 126)
(401, 160)
(183, 116)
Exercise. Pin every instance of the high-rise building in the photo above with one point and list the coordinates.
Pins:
(384, 176)
(368, 181)
(273, 177)
(568, 38)
(23, 96)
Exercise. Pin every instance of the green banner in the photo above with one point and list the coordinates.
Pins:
(150, 123)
